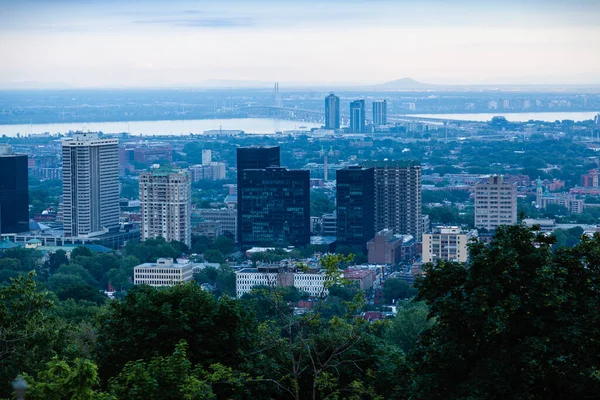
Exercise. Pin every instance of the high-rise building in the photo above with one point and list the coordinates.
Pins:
(165, 196)
(332, 112)
(495, 203)
(257, 157)
(253, 158)
(274, 207)
(355, 199)
(380, 112)
(398, 197)
(357, 116)
(90, 184)
(206, 157)
(14, 191)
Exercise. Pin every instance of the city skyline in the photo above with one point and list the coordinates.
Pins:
(156, 44)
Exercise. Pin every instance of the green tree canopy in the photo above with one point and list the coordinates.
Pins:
(520, 322)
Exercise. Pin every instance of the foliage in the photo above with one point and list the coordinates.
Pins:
(408, 323)
(26, 332)
(397, 289)
(151, 249)
(520, 322)
(62, 380)
(221, 279)
(151, 321)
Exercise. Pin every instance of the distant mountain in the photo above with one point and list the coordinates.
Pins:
(33, 85)
(405, 84)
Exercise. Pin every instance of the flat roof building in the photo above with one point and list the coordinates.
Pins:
(90, 184)
(14, 191)
(448, 243)
(165, 196)
(163, 273)
(355, 201)
(309, 282)
(273, 207)
(495, 203)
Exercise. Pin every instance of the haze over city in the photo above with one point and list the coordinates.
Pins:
(235, 43)
(300, 200)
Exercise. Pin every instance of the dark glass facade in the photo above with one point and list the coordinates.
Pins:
(357, 116)
(355, 199)
(273, 207)
(257, 158)
(332, 112)
(14, 194)
(253, 158)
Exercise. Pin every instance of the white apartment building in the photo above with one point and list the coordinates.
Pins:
(495, 203)
(248, 278)
(447, 243)
(163, 273)
(165, 196)
(90, 184)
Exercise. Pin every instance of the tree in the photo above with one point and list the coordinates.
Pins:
(151, 321)
(313, 357)
(62, 380)
(81, 251)
(55, 260)
(214, 256)
(520, 321)
(74, 287)
(170, 378)
(224, 244)
(26, 329)
(406, 326)
(395, 289)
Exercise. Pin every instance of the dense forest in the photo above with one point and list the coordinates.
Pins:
(519, 321)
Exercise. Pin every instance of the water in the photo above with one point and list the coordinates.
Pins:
(177, 127)
(516, 117)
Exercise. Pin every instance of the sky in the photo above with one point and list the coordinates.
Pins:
(69, 43)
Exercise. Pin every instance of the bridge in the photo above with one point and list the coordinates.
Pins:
(282, 113)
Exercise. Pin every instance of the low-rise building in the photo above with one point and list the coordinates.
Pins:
(387, 248)
(163, 273)
(447, 243)
(227, 217)
(312, 283)
(364, 277)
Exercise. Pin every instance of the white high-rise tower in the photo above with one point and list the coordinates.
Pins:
(165, 196)
(90, 184)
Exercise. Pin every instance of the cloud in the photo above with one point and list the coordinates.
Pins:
(206, 22)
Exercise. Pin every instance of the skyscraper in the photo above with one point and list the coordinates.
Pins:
(398, 197)
(273, 207)
(257, 157)
(355, 198)
(253, 158)
(380, 112)
(357, 116)
(90, 184)
(14, 191)
(495, 203)
(332, 112)
(165, 196)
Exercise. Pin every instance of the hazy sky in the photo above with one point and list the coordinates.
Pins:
(152, 43)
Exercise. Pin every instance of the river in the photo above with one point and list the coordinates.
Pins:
(515, 117)
(175, 127)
